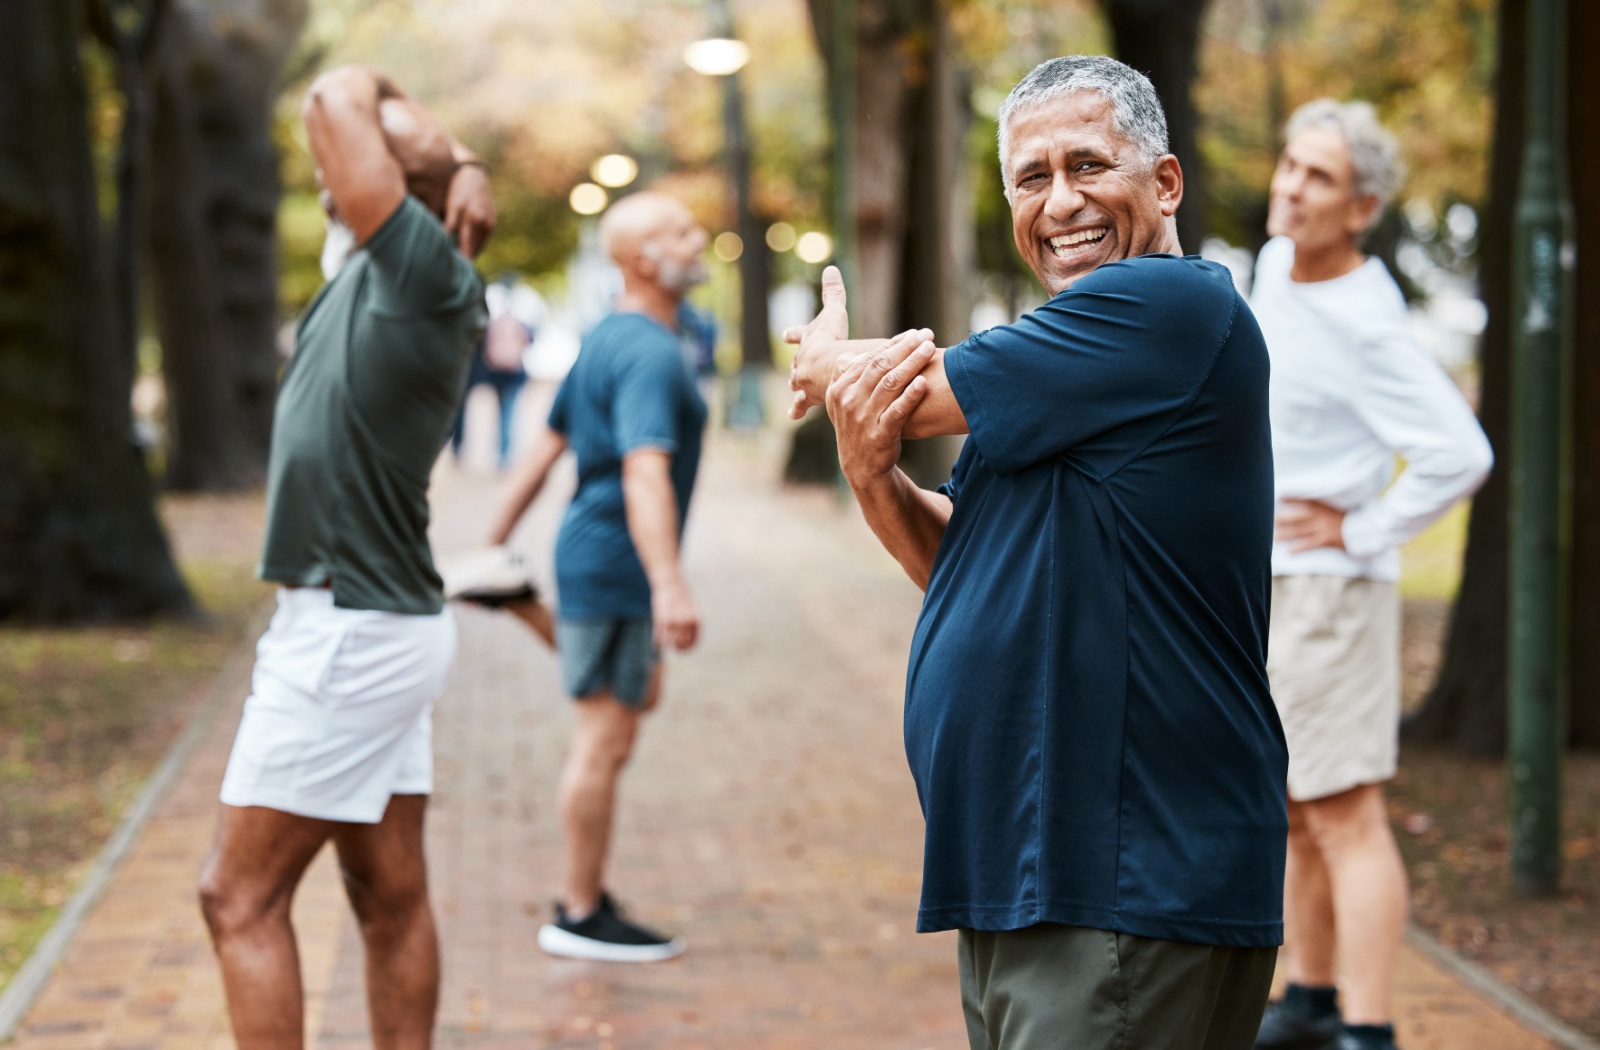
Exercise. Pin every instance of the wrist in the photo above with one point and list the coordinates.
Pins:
(665, 580)
(869, 484)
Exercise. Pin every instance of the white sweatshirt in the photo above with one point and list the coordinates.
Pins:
(1351, 389)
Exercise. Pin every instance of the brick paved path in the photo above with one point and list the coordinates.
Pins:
(768, 818)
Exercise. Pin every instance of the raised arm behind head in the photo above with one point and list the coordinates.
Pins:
(374, 145)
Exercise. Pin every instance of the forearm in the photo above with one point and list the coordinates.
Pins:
(1416, 500)
(352, 154)
(525, 483)
(908, 521)
(652, 510)
(816, 365)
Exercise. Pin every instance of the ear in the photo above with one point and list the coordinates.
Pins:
(1169, 185)
(1363, 213)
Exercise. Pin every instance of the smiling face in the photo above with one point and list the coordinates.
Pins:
(1314, 201)
(1082, 195)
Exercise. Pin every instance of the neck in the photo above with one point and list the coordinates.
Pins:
(1325, 263)
(639, 297)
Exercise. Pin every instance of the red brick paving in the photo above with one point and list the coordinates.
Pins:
(768, 818)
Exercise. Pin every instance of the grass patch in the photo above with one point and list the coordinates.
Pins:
(1431, 563)
(85, 714)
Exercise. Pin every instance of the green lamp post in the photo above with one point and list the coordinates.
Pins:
(1541, 465)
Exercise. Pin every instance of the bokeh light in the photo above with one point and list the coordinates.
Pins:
(615, 170)
(728, 246)
(717, 57)
(814, 247)
(780, 236)
(588, 199)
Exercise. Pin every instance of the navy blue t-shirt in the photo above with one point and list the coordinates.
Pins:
(629, 389)
(1087, 712)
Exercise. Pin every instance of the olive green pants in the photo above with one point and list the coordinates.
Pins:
(1052, 987)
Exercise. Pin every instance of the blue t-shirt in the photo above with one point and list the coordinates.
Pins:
(1087, 712)
(629, 389)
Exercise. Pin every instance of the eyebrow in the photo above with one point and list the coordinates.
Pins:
(1030, 164)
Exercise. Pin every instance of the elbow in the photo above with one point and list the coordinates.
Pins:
(332, 89)
(1479, 462)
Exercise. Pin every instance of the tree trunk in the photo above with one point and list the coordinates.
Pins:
(1467, 708)
(914, 211)
(1161, 39)
(79, 539)
(212, 233)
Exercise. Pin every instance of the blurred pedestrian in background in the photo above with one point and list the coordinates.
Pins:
(516, 313)
(336, 740)
(1351, 390)
(631, 412)
(1087, 712)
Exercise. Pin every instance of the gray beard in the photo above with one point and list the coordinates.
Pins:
(678, 278)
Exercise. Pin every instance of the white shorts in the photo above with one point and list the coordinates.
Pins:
(340, 715)
(1333, 658)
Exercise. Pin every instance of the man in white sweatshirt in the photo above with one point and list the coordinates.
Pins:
(1351, 390)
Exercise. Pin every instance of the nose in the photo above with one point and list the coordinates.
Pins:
(1065, 200)
(1292, 183)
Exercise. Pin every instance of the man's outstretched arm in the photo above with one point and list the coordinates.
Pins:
(527, 479)
(824, 352)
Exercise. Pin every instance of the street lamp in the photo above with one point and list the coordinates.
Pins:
(615, 170)
(588, 199)
(723, 55)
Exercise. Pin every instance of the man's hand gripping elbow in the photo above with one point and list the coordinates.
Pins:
(871, 401)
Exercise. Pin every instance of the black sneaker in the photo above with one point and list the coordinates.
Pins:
(1373, 1041)
(606, 936)
(1285, 1028)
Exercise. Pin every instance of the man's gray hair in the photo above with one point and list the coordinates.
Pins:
(1374, 151)
(1135, 110)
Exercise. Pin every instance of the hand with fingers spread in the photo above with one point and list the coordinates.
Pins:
(871, 400)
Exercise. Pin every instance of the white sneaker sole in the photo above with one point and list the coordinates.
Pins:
(556, 941)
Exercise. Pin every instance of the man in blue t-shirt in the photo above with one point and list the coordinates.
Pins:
(1087, 714)
(631, 412)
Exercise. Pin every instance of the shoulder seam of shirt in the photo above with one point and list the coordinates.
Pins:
(1227, 332)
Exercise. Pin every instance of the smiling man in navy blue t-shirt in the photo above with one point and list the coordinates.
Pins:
(1087, 712)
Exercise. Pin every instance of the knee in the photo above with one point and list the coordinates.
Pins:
(1342, 824)
(229, 907)
(391, 901)
(607, 752)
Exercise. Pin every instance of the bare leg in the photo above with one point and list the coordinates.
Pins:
(602, 742)
(386, 878)
(246, 888)
(1369, 897)
(537, 616)
(1309, 942)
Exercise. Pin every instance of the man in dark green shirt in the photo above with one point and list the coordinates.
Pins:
(336, 738)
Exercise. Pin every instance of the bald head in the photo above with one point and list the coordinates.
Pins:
(654, 238)
(636, 220)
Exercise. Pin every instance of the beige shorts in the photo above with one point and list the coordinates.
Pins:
(1333, 658)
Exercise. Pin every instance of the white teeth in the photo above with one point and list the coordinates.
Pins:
(1080, 237)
